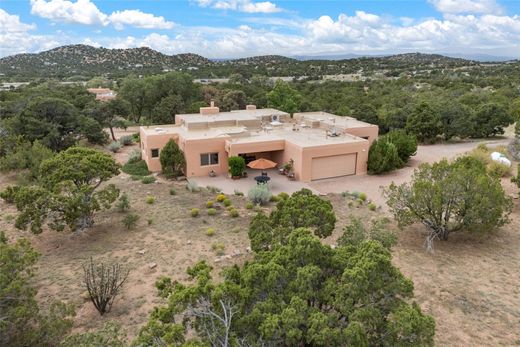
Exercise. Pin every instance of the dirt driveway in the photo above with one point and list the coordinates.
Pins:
(371, 185)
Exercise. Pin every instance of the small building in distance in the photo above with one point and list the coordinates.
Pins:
(319, 144)
(103, 94)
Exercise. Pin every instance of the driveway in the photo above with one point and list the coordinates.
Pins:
(371, 185)
(278, 183)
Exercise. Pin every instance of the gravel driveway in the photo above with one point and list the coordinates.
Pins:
(371, 184)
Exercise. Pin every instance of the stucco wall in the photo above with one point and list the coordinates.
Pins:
(370, 131)
(150, 142)
(194, 148)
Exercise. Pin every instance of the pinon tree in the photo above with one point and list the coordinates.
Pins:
(301, 209)
(69, 191)
(450, 197)
(172, 159)
(22, 321)
(284, 97)
(303, 293)
(424, 122)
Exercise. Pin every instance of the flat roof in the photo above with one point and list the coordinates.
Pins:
(332, 119)
(232, 115)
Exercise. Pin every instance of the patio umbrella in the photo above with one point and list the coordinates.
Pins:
(262, 164)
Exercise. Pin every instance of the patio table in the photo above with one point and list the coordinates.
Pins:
(262, 179)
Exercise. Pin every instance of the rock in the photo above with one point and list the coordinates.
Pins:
(248, 249)
(152, 265)
(237, 253)
(218, 260)
(227, 256)
(141, 251)
(189, 242)
(333, 246)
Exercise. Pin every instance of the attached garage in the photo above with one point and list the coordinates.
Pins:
(334, 166)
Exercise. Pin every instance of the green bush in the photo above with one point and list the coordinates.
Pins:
(218, 248)
(238, 193)
(213, 190)
(383, 157)
(172, 159)
(363, 197)
(212, 212)
(126, 140)
(227, 202)
(130, 221)
(259, 194)
(148, 179)
(114, 147)
(210, 231)
(274, 198)
(371, 206)
(136, 168)
(406, 144)
(283, 196)
(194, 212)
(123, 204)
(233, 213)
(230, 207)
(499, 169)
(220, 197)
(149, 221)
(173, 191)
(209, 204)
(237, 165)
(134, 156)
(150, 199)
(249, 205)
(192, 186)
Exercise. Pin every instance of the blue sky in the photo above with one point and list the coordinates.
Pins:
(238, 28)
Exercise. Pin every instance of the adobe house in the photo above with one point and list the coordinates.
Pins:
(321, 145)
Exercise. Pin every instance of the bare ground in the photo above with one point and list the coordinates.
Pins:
(471, 285)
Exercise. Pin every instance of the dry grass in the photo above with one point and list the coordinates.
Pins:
(471, 285)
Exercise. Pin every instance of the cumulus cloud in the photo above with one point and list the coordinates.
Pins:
(138, 19)
(86, 12)
(467, 6)
(16, 37)
(246, 6)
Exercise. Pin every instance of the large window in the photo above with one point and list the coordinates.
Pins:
(155, 152)
(208, 159)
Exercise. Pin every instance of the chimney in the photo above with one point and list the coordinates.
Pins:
(212, 109)
(250, 107)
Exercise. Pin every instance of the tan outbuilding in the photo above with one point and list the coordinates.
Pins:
(318, 144)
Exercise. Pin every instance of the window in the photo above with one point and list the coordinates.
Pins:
(208, 159)
(155, 153)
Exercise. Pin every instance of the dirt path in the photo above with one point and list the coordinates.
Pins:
(371, 185)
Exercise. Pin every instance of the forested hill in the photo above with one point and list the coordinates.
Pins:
(87, 61)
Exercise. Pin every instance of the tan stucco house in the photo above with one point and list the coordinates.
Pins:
(320, 145)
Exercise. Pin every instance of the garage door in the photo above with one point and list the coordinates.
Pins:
(334, 166)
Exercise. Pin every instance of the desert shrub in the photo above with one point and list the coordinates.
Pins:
(355, 233)
(194, 212)
(237, 165)
(371, 206)
(136, 178)
(150, 199)
(114, 147)
(103, 282)
(220, 197)
(218, 248)
(362, 196)
(134, 156)
(110, 335)
(136, 168)
(123, 203)
(499, 169)
(259, 194)
(148, 179)
(406, 144)
(213, 190)
(210, 231)
(210, 204)
(230, 207)
(173, 191)
(212, 212)
(238, 193)
(383, 157)
(283, 196)
(350, 203)
(235, 230)
(192, 186)
(481, 153)
(227, 202)
(234, 213)
(172, 159)
(249, 205)
(274, 198)
(130, 221)
(149, 221)
(126, 140)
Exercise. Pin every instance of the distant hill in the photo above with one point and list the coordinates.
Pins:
(87, 61)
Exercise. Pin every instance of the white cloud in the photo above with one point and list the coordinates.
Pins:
(247, 6)
(138, 19)
(86, 12)
(467, 6)
(80, 12)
